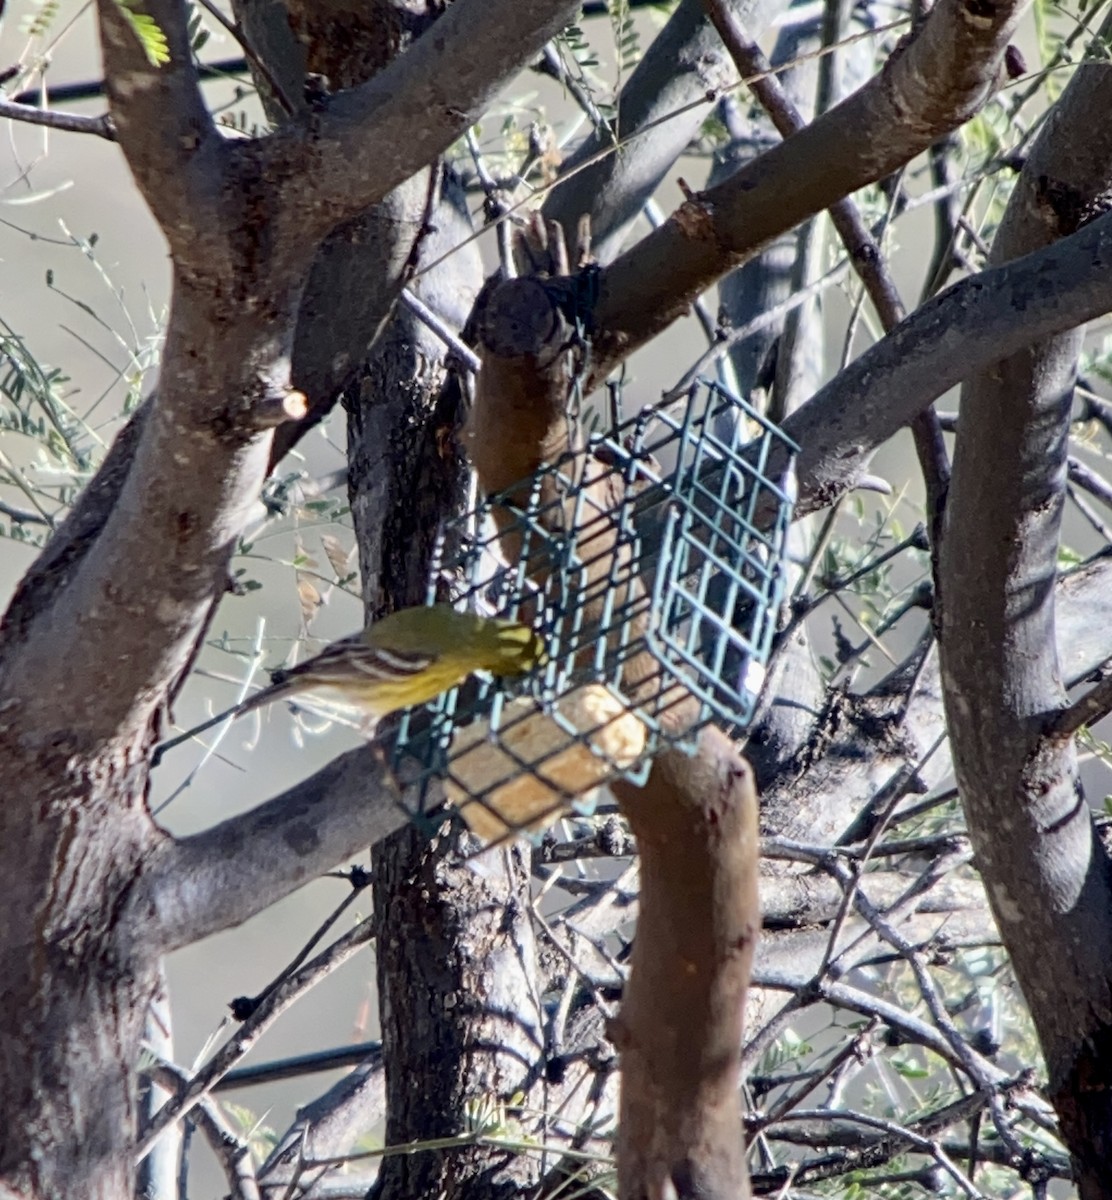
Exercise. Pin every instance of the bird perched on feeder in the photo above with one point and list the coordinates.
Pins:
(403, 659)
(406, 658)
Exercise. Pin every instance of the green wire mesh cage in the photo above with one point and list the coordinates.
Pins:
(652, 564)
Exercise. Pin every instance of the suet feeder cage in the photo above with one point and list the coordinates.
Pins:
(652, 563)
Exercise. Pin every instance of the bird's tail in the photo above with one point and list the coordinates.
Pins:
(278, 684)
(269, 693)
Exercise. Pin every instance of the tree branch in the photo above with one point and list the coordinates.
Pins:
(160, 118)
(963, 329)
(684, 63)
(912, 1028)
(864, 254)
(681, 1018)
(268, 1011)
(225, 387)
(930, 85)
(272, 84)
(894, 1139)
(329, 1125)
(183, 496)
(220, 878)
(366, 141)
(30, 114)
(233, 1154)
(893, 726)
(202, 453)
(73, 539)
(171, 502)
(1085, 711)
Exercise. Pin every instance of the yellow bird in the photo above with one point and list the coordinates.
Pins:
(405, 658)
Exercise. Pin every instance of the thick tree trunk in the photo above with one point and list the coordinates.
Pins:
(75, 979)
(1047, 873)
(459, 1006)
(460, 1015)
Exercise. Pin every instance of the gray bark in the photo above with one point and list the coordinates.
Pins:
(1047, 874)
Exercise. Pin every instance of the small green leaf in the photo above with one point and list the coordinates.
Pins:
(145, 28)
(909, 1070)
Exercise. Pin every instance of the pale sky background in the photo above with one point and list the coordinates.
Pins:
(53, 185)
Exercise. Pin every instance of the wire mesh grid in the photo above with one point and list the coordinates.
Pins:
(651, 563)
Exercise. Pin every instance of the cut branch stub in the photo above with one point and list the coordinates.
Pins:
(523, 316)
(680, 1028)
(519, 419)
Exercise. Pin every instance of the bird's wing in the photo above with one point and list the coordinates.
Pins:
(342, 659)
(340, 665)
